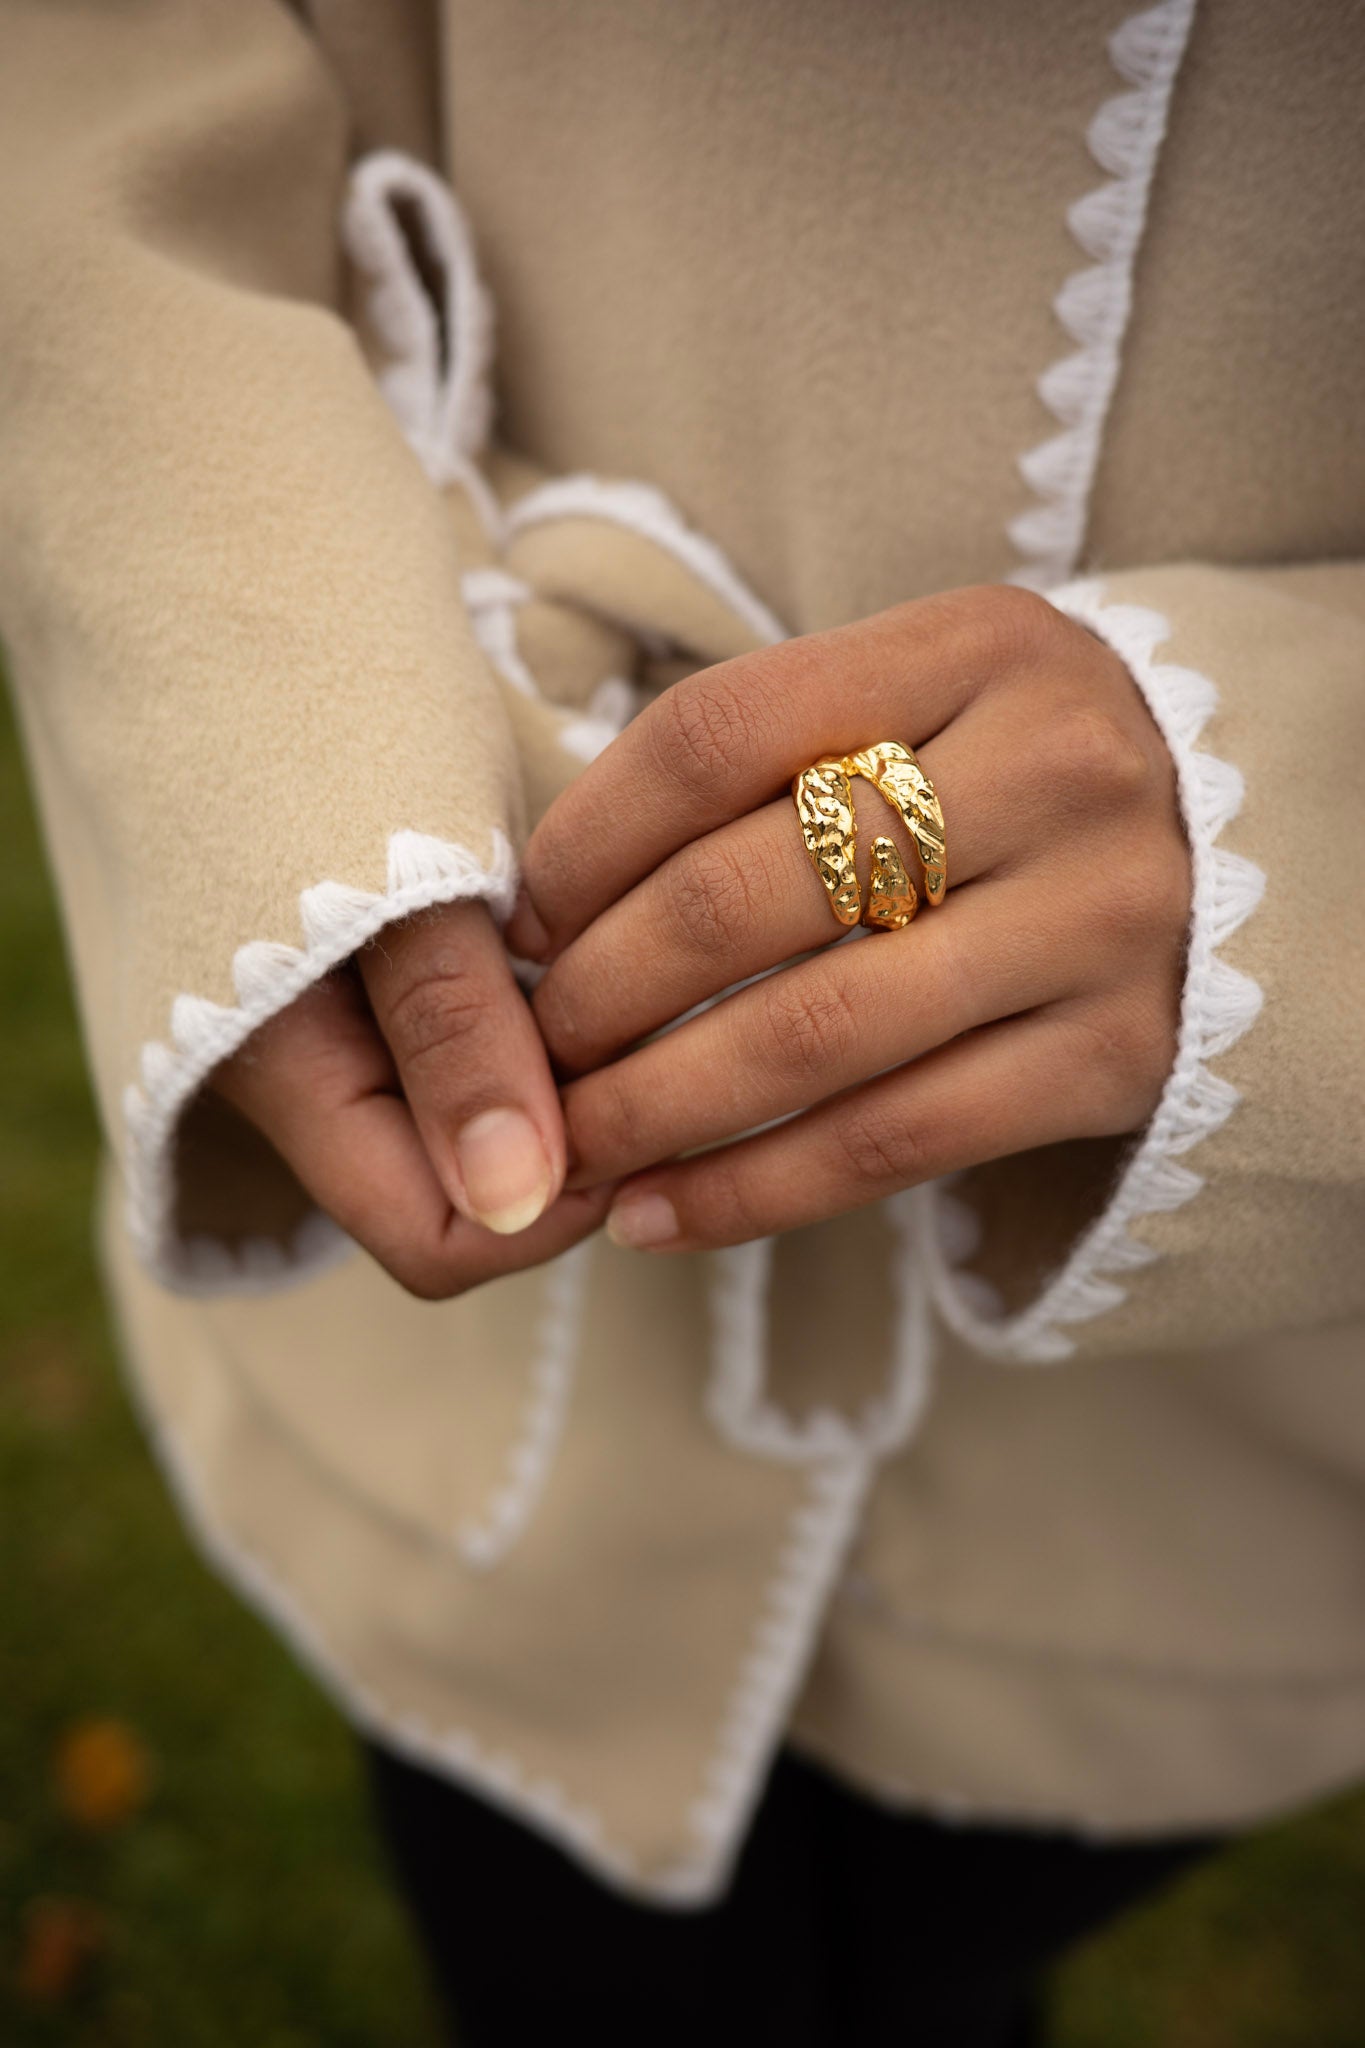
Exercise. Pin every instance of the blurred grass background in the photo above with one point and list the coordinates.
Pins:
(194, 1870)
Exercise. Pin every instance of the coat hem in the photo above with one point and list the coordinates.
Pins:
(990, 1734)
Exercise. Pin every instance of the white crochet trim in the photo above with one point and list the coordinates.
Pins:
(484, 1541)
(611, 707)
(268, 976)
(643, 510)
(813, 1552)
(1218, 1005)
(441, 397)
(492, 596)
(771, 1675)
(1094, 304)
(443, 408)
(452, 1752)
(492, 599)
(842, 1458)
(736, 1400)
(437, 384)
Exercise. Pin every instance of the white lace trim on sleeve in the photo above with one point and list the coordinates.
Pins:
(1219, 1004)
(268, 976)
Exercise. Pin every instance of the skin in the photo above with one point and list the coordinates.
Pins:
(412, 1096)
(1040, 1002)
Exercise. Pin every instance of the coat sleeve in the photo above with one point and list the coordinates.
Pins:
(259, 723)
(1241, 1209)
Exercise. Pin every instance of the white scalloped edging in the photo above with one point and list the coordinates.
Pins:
(737, 1402)
(642, 509)
(437, 376)
(441, 393)
(436, 379)
(814, 1548)
(451, 1752)
(492, 599)
(840, 1456)
(784, 1637)
(485, 1539)
(1219, 1004)
(1094, 304)
(269, 975)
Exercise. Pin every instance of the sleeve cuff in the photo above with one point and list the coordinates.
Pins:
(267, 976)
(1218, 1006)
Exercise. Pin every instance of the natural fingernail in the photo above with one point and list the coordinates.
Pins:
(526, 930)
(506, 1174)
(639, 1222)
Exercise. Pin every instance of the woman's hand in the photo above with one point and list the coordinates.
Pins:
(1039, 1002)
(412, 1098)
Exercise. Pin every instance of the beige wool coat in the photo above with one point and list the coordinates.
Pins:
(342, 519)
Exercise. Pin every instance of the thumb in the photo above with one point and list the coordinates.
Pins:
(471, 1062)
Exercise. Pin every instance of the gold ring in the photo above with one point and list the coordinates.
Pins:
(823, 795)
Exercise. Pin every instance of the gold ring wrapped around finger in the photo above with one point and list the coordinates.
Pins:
(823, 795)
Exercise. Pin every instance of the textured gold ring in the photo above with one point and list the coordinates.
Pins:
(823, 795)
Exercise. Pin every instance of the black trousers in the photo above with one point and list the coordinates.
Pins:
(846, 1924)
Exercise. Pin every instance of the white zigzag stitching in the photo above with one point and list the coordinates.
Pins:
(1094, 304)
(268, 976)
(1219, 1004)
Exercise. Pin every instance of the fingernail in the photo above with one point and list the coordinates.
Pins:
(526, 932)
(505, 1171)
(639, 1222)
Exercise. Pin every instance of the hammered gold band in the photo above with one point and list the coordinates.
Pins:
(823, 795)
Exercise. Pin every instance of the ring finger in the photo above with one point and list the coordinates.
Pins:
(820, 1027)
(1009, 1088)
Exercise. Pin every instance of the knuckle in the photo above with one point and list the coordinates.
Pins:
(559, 1011)
(712, 898)
(1171, 894)
(810, 1027)
(601, 1120)
(548, 864)
(879, 1150)
(1125, 907)
(414, 1259)
(728, 1214)
(701, 728)
(440, 1008)
(1125, 1052)
(1144, 901)
(1007, 627)
(1094, 757)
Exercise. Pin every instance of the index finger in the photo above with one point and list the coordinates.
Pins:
(731, 737)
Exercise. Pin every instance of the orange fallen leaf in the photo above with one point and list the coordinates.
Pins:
(102, 1773)
(60, 1940)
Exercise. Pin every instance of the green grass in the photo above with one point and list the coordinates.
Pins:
(243, 1905)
